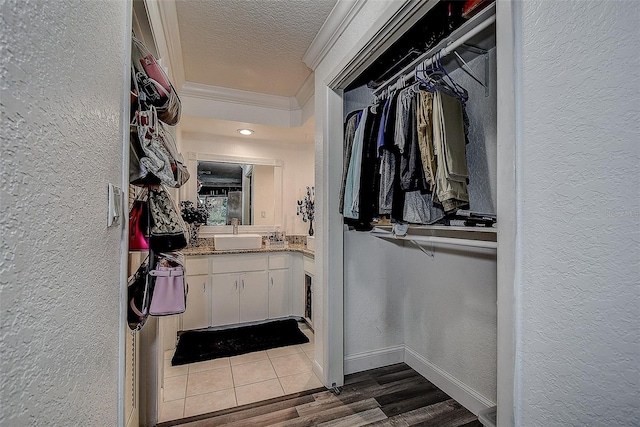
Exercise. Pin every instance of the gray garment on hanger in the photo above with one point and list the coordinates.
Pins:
(349, 134)
(387, 175)
(419, 208)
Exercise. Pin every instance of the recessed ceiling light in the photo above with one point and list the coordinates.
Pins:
(245, 131)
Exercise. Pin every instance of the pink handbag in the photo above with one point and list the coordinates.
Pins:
(170, 293)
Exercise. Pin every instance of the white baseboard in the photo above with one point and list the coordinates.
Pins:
(317, 369)
(467, 397)
(373, 359)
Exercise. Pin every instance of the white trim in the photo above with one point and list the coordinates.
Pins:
(305, 93)
(509, 52)
(381, 35)
(463, 394)
(163, 18)
(317, 369)
(237, 96)
(125, 113)
(359, 362)
(338, 20)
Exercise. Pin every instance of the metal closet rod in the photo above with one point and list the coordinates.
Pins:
(400, 78)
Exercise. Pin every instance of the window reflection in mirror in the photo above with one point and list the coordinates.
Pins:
(225, 189)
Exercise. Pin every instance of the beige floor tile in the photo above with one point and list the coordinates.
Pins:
(308, 347)
(171, 410)
(253, 372)
(258, 391)
(299, 382)
(175, 388)
(168, 354)
(174, 371)
(292, 364)
(209, 402)
(209, 381)
(310, 355)
(222, 362)
(284, 351)
(249, 357)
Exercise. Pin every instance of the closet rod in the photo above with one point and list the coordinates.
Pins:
(402, 75)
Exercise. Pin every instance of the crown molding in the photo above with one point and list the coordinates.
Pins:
(237, 96)
(338, 20)
(306, 91)
(163, 18)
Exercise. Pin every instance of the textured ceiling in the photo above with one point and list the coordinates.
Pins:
(252, 45)
(229, 129)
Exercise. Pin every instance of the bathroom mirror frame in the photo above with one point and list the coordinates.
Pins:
(189, 191)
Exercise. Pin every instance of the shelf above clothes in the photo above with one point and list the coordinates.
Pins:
(478, 237)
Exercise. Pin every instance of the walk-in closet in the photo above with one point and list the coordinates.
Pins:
(420, 266)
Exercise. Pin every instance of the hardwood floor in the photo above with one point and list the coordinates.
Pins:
(393, 396)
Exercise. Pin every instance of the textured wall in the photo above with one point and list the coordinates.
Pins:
(373, 303)
(62, 87)
(449, 310)
(578, 340)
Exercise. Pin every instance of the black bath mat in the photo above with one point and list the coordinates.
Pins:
(196, 346)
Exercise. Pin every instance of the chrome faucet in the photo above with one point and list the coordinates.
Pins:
(234, 224)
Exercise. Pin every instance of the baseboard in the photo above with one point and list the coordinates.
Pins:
(467, 397)
(373, 359)
(317, 369)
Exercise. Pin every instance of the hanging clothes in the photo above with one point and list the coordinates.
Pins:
(425, 137)
(352, 184)
(449, 146)
(349, 134)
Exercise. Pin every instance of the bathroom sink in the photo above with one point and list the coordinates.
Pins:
(225, 242)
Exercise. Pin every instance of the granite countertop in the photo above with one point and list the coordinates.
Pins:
(206, 249)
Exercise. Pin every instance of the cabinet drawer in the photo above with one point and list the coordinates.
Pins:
(278, 261)
(197, 266)
(238, 264)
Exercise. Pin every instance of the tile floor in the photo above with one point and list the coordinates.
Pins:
(209, 386)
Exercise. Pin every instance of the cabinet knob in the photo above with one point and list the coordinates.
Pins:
(272, 282)
(236, 284)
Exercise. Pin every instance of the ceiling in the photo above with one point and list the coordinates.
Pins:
(228, 128)
(251, 45)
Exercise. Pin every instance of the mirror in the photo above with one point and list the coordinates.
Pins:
(235, 190)
(246, 188)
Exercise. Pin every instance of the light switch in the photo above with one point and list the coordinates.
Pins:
(114, 205)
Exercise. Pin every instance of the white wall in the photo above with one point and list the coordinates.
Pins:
(297, 169)
(263, 195)
(577, 284)
(63, 80)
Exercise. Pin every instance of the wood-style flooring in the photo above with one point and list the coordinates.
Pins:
(395, 396)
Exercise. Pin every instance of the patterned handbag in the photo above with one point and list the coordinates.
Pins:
(154, 154)
(153, 87)
(168, 230)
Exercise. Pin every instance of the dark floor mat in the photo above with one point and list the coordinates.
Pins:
(197, 346)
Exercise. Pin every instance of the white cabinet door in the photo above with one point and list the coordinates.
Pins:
(279, 293)
(196, 315)
(224, 299)
(253, 296)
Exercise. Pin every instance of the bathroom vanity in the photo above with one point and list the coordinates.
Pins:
(230, 288)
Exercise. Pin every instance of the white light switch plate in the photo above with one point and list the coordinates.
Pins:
(114, 205)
